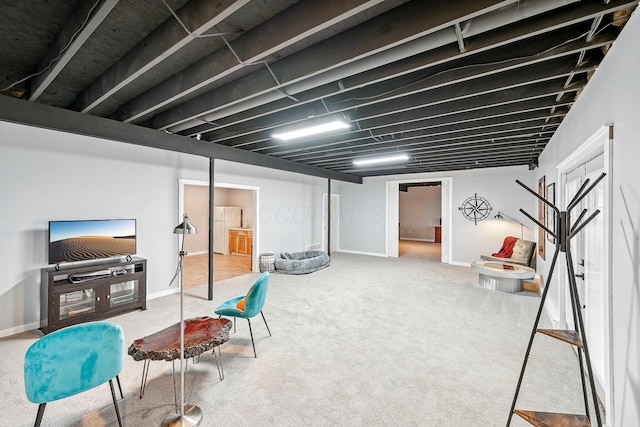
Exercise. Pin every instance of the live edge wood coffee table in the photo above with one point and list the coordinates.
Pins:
(200, 334)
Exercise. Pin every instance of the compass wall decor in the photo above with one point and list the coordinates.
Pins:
(475, 208)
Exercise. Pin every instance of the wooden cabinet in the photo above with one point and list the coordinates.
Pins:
(438, 234)
(92, 292)
(240, 241)
(233, 241)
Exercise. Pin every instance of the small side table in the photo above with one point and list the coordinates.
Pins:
(200, 334)
(503, 276)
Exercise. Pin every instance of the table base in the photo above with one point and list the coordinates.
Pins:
(502, 284)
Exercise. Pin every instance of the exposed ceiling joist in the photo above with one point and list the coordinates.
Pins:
(83, 22)
(257, 89)
(259, 129)
(190, 22)
(456, 85)
(395, 28)
(256, 45)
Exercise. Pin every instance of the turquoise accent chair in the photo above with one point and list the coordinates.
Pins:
(72, 360)
(253, 303)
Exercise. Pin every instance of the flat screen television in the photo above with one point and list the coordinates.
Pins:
(83, 240)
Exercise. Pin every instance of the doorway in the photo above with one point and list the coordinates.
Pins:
(194, 199)
(393, 216)
(591, 255)
(420, 220)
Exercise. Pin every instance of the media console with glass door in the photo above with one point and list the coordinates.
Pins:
(92, 292)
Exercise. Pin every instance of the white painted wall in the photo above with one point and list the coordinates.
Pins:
(363, 215)
(613, 97)
(49, 175)
(196, 205)
(290, 205)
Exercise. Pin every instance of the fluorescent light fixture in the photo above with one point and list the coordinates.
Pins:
(314, 129)
(385, 159)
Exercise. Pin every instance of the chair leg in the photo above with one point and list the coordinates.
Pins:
(40, 414)
(115, 402)
(234, 323)
(252, 343)
(119, 386)
(265, 323)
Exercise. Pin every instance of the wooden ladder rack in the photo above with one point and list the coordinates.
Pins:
(577, 338)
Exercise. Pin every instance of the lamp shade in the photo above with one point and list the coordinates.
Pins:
(185, 227)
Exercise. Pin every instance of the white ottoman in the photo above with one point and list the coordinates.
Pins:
(502, 276)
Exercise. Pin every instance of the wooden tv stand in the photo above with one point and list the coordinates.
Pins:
(92, 291)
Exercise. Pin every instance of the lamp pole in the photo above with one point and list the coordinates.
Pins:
(501, 215)
(191, 415)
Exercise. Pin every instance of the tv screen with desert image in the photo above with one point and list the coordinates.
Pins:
(91, 239)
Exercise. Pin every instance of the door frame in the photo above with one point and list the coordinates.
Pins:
(256, 212)
(393, 215)
(600, 142)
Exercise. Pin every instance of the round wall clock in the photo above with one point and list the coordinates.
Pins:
(475, 208)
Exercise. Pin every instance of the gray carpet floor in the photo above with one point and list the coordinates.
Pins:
(365, 342)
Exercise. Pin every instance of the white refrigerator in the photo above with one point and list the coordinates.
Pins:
(224, 218)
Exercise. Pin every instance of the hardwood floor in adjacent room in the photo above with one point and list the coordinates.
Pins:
(427, 250)
(224, 267)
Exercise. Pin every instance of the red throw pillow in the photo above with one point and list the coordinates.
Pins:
(240, 305)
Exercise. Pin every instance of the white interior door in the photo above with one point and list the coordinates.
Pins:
(587, 251)
(574, 180)
(594, 280)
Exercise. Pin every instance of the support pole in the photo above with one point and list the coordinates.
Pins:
(211, 224)
(329, 216)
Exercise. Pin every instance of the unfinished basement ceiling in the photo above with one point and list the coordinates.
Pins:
(455, 85)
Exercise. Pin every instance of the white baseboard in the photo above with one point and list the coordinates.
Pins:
(197, 253)
(19, 329)
(162, 293)
(418, 240)
(461, 264)
(362, 253)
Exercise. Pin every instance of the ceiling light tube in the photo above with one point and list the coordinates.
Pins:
(312, 130)
(385, 159)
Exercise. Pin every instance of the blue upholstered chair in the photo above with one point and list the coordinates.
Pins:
(72, 360)
(249, 305)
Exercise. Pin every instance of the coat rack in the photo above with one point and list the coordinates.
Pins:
(565, 232)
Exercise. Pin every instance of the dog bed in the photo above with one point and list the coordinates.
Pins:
(301, 262)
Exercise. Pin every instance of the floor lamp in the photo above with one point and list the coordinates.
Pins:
(502, 215)
(190, 415)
